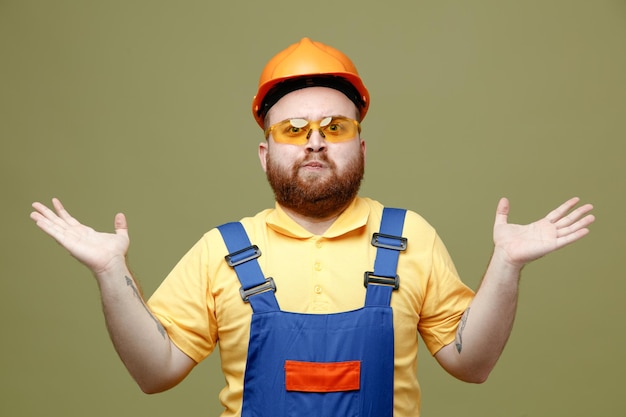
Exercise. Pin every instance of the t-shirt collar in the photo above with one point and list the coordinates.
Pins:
(353, 217)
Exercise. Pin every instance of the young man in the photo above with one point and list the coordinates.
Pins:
(316, 302)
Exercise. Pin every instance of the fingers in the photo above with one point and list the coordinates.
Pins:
(574, 224)
(46, 218)
(55, 224)
(556, 214)
(502, 212)
(47, 221)
(567, 221)
(43, 215)
(38, 207)
(48, 213)
(574, 217)
(571, 225)
(565, 238)
(41, 210)
(62, 213)
(120, 224)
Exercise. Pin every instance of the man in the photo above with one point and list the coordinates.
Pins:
(315, 303)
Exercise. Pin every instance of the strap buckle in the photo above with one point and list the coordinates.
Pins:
(243, 255)
(381, 240)
(268, 285)
(370, 278)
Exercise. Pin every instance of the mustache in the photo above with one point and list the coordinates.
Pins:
(315, 157)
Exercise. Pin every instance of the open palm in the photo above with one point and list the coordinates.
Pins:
(525, 243)
(96, 250)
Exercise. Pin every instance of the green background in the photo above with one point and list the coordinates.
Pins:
(144, 107)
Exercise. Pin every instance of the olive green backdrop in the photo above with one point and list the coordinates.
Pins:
(144, 107)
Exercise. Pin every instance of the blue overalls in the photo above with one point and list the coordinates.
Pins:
(322, 365)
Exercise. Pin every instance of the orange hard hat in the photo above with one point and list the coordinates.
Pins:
(307, 64)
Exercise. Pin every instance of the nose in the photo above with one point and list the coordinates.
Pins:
(316, 141)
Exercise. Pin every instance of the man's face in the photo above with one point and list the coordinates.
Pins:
(317, 179)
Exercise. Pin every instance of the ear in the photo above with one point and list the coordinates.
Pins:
(363, 148)
(263, 150)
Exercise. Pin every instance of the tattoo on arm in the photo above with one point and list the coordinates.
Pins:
(131, 283)
(459, 333)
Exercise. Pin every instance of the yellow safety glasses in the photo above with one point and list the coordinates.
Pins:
(298, 131)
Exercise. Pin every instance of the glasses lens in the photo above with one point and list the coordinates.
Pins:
(297, 131)
(339, 129)
(292, 131)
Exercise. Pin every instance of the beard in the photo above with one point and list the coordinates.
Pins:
(314, 195)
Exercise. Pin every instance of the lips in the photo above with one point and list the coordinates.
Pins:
(313, 163)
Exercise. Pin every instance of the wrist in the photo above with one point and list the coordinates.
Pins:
(504, 262)
(115, 267)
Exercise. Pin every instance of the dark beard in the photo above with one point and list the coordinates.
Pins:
(313, 196)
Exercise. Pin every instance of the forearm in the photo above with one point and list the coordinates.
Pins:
(486, 325)
(139, 338)
(485, 328)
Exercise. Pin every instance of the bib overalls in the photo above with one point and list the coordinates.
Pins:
(322, 365)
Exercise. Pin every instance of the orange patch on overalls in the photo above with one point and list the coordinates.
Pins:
(322, 376)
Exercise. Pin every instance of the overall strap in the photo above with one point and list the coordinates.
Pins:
(255, 288)
(389, 242)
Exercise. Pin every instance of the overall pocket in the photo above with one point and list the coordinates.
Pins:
(322, 388)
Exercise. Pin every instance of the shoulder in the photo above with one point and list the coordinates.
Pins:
(414, 223)
(250, 224)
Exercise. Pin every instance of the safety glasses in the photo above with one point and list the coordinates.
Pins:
(298, 131)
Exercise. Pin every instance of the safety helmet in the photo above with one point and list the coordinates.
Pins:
(306, 64)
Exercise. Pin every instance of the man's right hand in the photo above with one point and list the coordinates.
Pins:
(98, 251)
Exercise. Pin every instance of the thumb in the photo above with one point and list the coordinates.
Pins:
(502, 212)
(121, 225)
